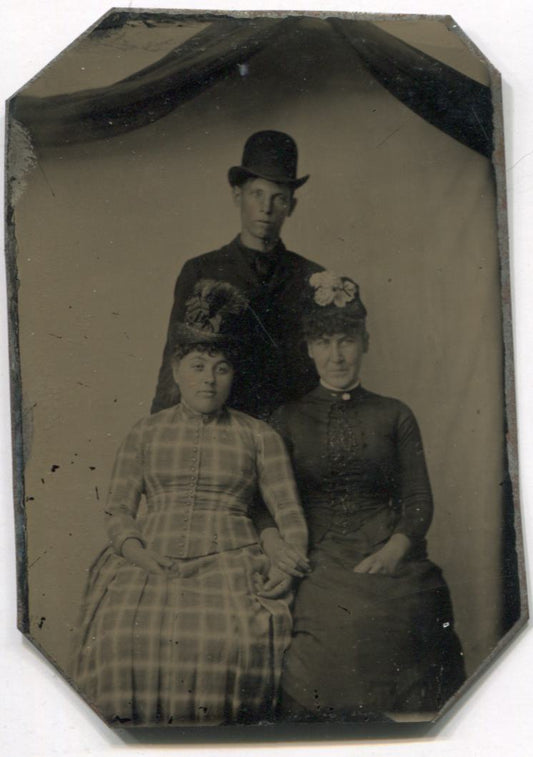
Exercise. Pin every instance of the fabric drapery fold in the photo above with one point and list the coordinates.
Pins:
(446, 98)
(148, 94)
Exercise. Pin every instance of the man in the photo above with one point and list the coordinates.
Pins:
(275, 367)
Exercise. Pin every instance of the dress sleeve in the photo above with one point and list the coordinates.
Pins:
(125, 490)
(278, 489)
(278, 421)
(167, 393)
(260, 515)
(414, 489)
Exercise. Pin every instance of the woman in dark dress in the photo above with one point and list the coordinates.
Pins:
(373, 624)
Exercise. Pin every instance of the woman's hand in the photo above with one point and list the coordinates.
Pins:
(386, 559)
(282, 555)
(147, 559)
(277, 584)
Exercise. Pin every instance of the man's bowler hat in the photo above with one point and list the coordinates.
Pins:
(270, 155)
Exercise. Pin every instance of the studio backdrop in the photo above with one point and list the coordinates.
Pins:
(118, 178)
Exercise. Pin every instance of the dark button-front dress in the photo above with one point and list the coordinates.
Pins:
(365, 642)
(197, 645)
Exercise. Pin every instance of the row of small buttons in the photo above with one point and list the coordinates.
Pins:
(195, 469)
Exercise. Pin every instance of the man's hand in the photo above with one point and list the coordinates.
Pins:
(277, 584)
(282, 555)
(386, 559)
(147, 559)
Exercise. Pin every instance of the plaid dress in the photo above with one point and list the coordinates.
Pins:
(197, 645)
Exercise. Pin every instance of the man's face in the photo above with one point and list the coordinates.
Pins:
(338, 358)
(264, 206)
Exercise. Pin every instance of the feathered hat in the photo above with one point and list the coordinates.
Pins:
(212, 314)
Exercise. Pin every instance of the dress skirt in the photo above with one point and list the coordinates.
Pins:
(194, 646)
(371, 643)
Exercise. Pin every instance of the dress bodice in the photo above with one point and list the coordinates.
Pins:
(199, 475)
(359, 463)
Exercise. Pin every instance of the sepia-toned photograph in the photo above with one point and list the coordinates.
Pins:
(264, 424)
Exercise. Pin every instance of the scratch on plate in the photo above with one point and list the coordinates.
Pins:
(388, 137)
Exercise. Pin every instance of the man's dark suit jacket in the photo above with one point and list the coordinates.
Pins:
(275, 366)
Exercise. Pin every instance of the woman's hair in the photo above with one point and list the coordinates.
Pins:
(230, 351)
(332, 321)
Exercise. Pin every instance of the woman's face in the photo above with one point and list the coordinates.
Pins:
(204, 380)
(338, 358)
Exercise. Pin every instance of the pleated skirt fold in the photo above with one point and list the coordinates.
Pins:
(194, 646)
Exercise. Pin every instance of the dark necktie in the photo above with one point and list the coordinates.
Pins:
(264, 263)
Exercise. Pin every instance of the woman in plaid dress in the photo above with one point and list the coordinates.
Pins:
(174, 628)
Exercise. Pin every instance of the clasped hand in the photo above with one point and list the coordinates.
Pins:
(286, 564)
(147, 559)
(386, 560)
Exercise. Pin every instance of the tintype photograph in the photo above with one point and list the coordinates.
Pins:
(264, 430)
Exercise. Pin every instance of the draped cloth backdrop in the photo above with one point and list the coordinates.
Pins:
(119, 153)
(458, 105)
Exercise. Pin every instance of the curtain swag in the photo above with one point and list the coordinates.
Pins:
(451, 101)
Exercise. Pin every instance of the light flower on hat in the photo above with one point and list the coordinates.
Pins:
(331, 288)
